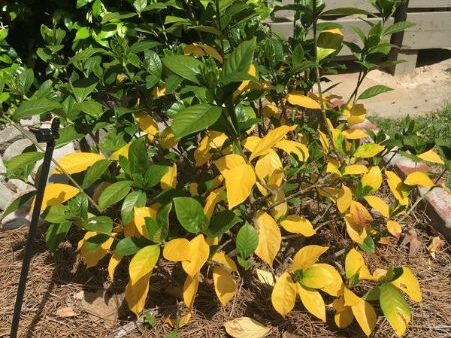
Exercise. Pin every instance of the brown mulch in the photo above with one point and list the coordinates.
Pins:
(55, 283)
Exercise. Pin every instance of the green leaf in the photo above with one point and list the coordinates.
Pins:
(246, 240)
(398, 27)
(222, 222)
(95, 172)
(91, 107)
(395, 308)
(35, 107)
(241, 58)
(134, 199)
(93, 243)
(185, 66)
(17, 203)
(153, 65)
(83, 87)
(194, 119)
(22, 160)
(368, 245)
(158, 228)
(345, 11)
(129, 246)
(55, 234)
(78, 206)
(57, 214)
(190, 214)
(153, 175)
(100, 224)
(138, 157)
(114, 193)
(374, 91)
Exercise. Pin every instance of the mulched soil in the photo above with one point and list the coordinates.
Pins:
(55, 281)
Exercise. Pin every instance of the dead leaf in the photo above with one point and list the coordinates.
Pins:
(411, 238)
(245, 327)
(67, 311)
(100, 305)
(436, 245)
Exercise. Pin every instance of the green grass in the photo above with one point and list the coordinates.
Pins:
(432, 126)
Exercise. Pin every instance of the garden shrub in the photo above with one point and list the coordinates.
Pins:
(207, 140)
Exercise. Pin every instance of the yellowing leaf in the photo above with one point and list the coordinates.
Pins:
(368, 150)
(396, 187)
(265, 277)
(343, 316)
(431, 156)
(200, 49)
(270, 140)
(198, 255)
(221, 258)
(293, 147)
(283, 296)
(177, 250)
(394, 228)
(355, 264)
(333, 167)
(419, 178)
(298, 225)
(395, 308)
(179, 322)
(190, 290)
(139, 221)
(324, 141)
(169, 180)
(147, 124)
(354, 134)
(212, 199)
(329, 41)
(355, 114)
(269, 237)
(77, 162)
(317, 276)
(379, 205)
(312, 301)
(123, 151)
(365, 315)
(112, 265)
(307, 256)
(57, 193)
(239, 182)
(245, 327)
(355, 169)
(344, 199)
(298, 99)
(270, 110)
(280, 207)
(373, 179)
(355, 232)
(140, 269)
(92, 257)
(158, 92)
(267, 164)
(408, 283)
(167, 138)
(225, 285)
(359, 215)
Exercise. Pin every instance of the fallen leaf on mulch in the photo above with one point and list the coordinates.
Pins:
(99, 305)
(67, 311)
(245, 327)
(436, 245)
(411, 238)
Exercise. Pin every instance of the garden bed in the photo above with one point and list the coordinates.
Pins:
(60, 295)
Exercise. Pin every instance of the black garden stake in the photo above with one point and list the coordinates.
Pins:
(48, 136)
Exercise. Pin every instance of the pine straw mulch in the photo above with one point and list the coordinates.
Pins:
(56, 281)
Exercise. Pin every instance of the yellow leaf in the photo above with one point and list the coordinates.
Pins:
(221, 258)
(92, 257)
(359, 216)
(307, 256)
(212, 199)
(343, 316)
(265, 277)
(229, 162)
(190, 290)
(298, 99)
(193, 189)
(177, 250)
(169, 180)
(283, 296)
(270, 140)
(123, 151)
(251, 143)
(225, 285)
(368, 150)
(379, 274)
(200, 49)
(267, 164)
(395, 308)
(394, 228)
(139, 221)
(355, 169)
(245, 85)
(318, 276)
(344, 199)
(373, 179)
(239, 182)
(436, 245)
(57, 193)
(158, 92)
(334, 288)
(280, 207)
(333, 167)
(431, 156)
(202, 152)
(198, 255)
(355, 232)
(355, 264)
(140, 269)
(312, 301)
(179, 322)
(269, 237)
(354, 134)
(112, 265)
(147, 124)
(167, 138)
(396, 187)
(245, 327)
(379, 205)
(324, 141)
(408, 283)
(293, 147)
(298, 225)
(419, 178)
(365, 315)
(77, 162)
(270, 110)
(355, 114)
